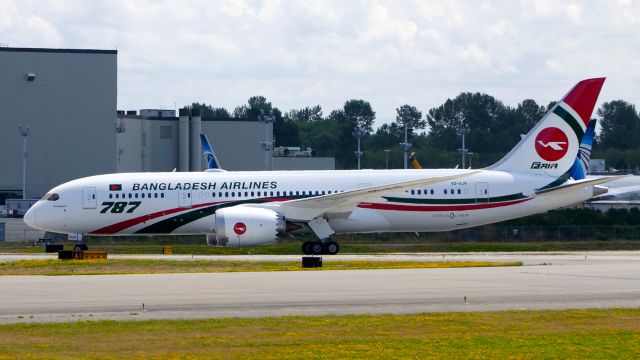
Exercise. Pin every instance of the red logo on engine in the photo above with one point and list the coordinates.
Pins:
(240, 228)
(552, 144)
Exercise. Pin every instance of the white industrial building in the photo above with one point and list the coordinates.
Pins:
(156, 140)
(68, 99)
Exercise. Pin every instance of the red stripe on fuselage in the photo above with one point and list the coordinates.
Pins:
(117, 227)
(400, 207)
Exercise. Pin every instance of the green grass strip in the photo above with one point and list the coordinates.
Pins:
(572, 334)
(140, 266)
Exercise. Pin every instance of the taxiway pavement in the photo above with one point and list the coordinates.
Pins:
(602, 280)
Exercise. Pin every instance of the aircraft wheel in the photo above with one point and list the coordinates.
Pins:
(81, 247)
(306, 247)
(332, 247)
(317, 248)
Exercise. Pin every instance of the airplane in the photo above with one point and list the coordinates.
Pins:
(251, 208)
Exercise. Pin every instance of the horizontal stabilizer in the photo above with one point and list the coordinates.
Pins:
(571, 185)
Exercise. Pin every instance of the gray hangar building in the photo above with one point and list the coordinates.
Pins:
(68, 100)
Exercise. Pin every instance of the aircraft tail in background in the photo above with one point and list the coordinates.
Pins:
(580, 166)
(212, 161)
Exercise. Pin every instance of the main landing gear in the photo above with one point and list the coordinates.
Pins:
(320, 247)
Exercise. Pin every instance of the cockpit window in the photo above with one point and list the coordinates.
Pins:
(53, 197)
(45, 197)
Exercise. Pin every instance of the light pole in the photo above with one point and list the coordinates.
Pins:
(24, 131)
(470, 158)
(463, 130)
(358, 133)
(267, 145)
(386, 158)
(405, 146)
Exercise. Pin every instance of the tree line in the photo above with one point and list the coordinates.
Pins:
(491, 127)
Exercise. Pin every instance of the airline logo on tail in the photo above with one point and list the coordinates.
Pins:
(552, 144)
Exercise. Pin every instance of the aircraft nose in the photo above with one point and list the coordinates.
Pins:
(30, 217)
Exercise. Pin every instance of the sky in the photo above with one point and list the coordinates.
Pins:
(305, 53)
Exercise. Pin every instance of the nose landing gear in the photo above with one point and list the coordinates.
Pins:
(320, 247)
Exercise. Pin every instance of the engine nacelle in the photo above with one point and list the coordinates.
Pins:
(240, 226)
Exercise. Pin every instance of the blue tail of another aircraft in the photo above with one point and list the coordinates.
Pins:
(212, 162)
(581, 164)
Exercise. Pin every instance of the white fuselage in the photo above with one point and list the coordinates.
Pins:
(185, 203)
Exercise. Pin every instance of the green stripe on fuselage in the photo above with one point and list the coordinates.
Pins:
(454, 201)
(569, 119)
(167, 226)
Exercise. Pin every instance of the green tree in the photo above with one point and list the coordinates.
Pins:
(307, 114)
(482, 114)
(359, 113)
(411, 116)
(619, 121)
(211, 112)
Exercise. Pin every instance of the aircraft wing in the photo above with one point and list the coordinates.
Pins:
(311, 208)
(566, 186)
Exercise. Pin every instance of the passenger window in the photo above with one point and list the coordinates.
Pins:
(117, 196)
(431, 191)
(130, 196)
(136, 195)
(252, 194)
(110, 196)
(246, 194)
(142, 195)
(445, 191)
(162, 195)
(412, 192)
(452, 192)
(149, 195)
(226, 194)
(459, 192)
(155, 195)
(233, 194)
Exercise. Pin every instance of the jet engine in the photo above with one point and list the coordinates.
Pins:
(240, 226)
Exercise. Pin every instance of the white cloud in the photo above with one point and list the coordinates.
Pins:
(300, 53)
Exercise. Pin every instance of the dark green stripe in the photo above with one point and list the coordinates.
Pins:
(169, 225)
(453, 201)
(569, 119)
(557, 182)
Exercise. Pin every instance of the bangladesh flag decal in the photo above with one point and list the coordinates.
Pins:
(115, 187)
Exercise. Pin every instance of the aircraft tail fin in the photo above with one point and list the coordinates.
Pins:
(414, 162)
(551, 147)
(212, 162)
(580, 166)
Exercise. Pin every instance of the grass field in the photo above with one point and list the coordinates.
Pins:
(573, 334)
(137, 266)
(291, 247)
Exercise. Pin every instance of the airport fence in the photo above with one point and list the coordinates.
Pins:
(517, 234)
